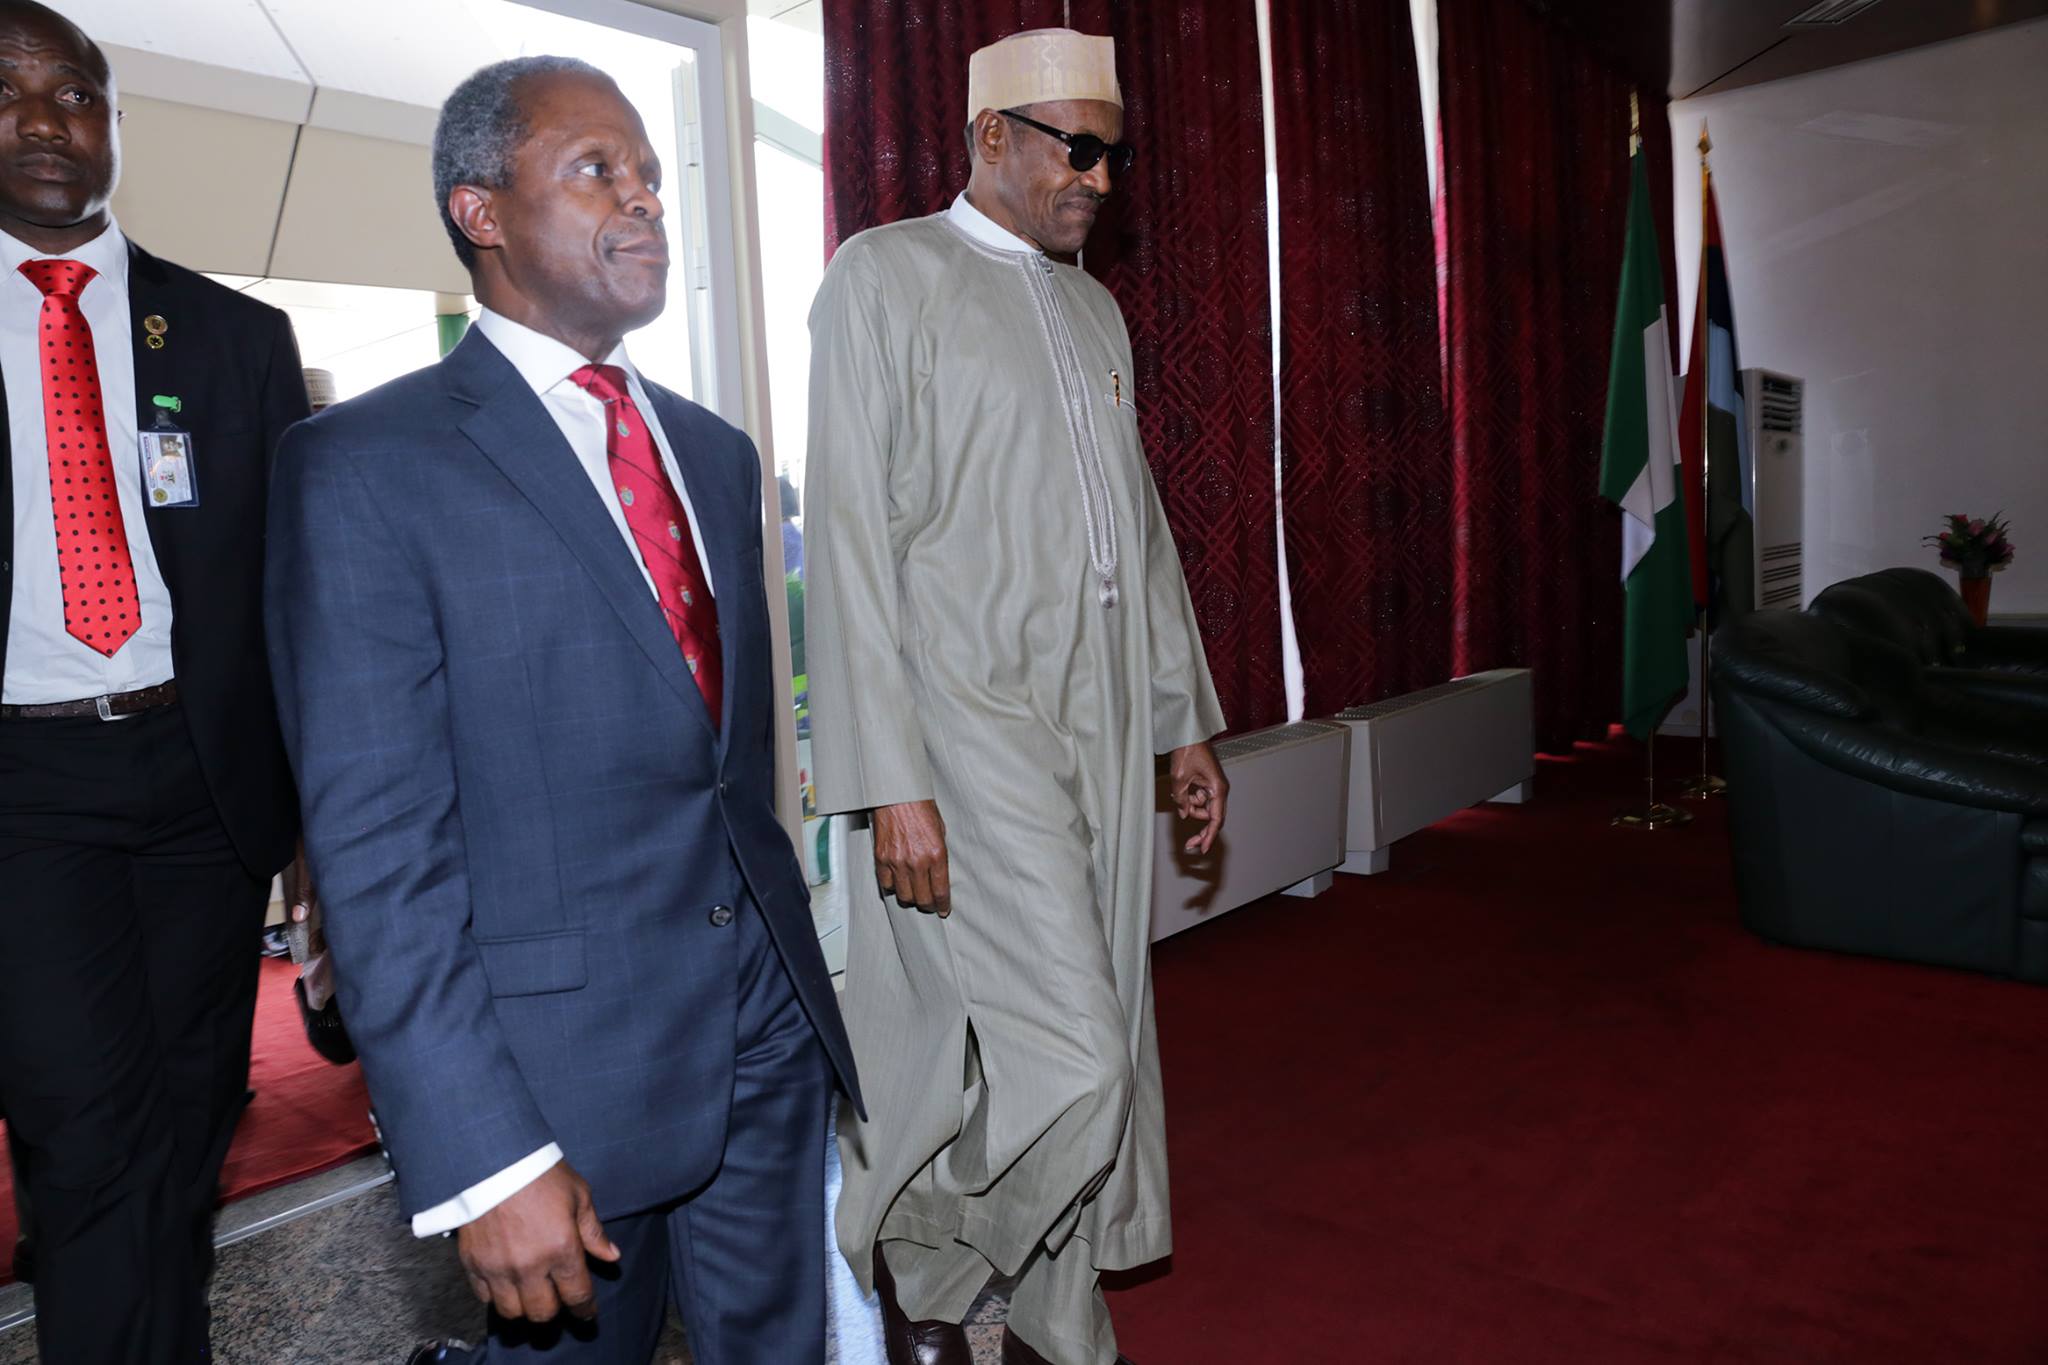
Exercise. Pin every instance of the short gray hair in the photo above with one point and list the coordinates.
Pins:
(481, 126)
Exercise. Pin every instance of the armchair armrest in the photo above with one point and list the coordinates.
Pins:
(2018, 649)
(1981, 715)
(2004, 688)
(1914, 764)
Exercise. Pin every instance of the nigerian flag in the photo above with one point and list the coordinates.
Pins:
(1639, 470)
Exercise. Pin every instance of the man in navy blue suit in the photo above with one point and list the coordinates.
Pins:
(521, 644)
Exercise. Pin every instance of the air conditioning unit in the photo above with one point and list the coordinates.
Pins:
(1420, 758)
(1285, 830)
(1774, 407)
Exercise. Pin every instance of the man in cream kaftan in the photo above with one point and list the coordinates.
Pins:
(997, 624)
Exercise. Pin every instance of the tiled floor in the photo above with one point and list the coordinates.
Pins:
(350, 1285)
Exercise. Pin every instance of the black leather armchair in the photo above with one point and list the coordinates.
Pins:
(1872, 811)
(1922, 614)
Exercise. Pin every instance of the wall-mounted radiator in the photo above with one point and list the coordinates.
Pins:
(1430, 754)
(1284, 826)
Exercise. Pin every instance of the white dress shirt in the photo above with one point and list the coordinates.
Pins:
(985, 229)
(546, 364)
(44, 662)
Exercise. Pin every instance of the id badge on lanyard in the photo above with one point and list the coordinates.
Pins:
(169, 459)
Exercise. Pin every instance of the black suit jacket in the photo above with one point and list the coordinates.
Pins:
(233, 362)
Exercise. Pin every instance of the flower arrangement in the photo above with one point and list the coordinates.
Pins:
(1974, 546)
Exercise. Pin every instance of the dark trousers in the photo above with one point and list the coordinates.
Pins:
(744, 1257)
(128, 958)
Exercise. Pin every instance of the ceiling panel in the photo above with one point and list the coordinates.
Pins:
(1719, 46)
(1696, 47)
(240, 178)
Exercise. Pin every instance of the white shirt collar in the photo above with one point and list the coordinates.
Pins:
(107, 254)
(542, 361)
(985, 229)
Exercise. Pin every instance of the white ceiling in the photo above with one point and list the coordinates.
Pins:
(804, 14)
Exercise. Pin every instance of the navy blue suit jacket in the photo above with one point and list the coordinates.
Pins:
(522, 818)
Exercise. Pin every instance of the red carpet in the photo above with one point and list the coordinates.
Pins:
(307, 1114)
(1535, 1096)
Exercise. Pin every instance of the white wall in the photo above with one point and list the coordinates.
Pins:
(1886, 227)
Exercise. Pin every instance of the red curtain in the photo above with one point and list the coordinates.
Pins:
(1368, 480)
(1183, 248)
(1535, 185)
(896, 102)
(1182, 245)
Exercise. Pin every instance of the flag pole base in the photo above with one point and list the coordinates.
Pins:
(1657, 816)
(1702, 787)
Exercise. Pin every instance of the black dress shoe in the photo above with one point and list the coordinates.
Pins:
(324, 1029)
(1016, 1352)
(25, 1261)
(916, 1343)
(445, 1352)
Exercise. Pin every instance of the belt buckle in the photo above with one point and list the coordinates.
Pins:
(105, 705)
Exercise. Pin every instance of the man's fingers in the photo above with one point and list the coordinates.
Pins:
(574, 1288)
(537, 1293)
(942, 887)
(505, 1300)
(920, 886)
(1215, 826)
(480, 1287)
(592, 1234)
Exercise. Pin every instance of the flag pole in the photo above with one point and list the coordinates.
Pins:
(1655, 814)
(1706, 784)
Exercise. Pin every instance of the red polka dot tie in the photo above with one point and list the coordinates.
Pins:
(654, 514)
(100, 605)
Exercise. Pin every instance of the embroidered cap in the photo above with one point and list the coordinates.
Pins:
(1040, 66)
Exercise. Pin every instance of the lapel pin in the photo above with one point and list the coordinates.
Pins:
(155, 325)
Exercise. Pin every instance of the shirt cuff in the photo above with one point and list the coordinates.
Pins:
(480, 1198)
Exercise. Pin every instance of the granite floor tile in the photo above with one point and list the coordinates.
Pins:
(350, 1285)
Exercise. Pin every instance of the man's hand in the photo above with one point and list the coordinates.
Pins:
(302, 903)
(526, 1256)
(910, 856)
(1199, 792)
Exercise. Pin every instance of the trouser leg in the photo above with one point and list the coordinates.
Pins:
(200, 917)
(1058, 1309)
(748, 1277)
(81, 1073)
(935, 1284)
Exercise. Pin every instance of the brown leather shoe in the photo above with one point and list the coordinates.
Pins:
(1017, 1352)
(916, 1343)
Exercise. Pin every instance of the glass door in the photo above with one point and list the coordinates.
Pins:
(672, 70)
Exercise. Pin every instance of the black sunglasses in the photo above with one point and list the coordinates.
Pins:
(1083, 149)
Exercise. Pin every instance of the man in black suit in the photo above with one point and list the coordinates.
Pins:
(145, 800)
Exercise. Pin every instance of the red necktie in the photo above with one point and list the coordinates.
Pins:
(101, 608)
(654, 514)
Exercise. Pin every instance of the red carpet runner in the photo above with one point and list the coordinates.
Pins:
(307, 1115)
(1536, 1097)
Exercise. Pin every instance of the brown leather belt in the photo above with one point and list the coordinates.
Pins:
(111, 707)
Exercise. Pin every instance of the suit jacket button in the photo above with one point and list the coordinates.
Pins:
(725, 789)
(721, 916)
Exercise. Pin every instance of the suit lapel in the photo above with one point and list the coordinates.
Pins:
(515, 432)
(718, 524)
(150, 294)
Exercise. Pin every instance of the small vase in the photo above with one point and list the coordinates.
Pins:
(1976, 596)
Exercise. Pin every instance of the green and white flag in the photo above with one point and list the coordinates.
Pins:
(1639, 471)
